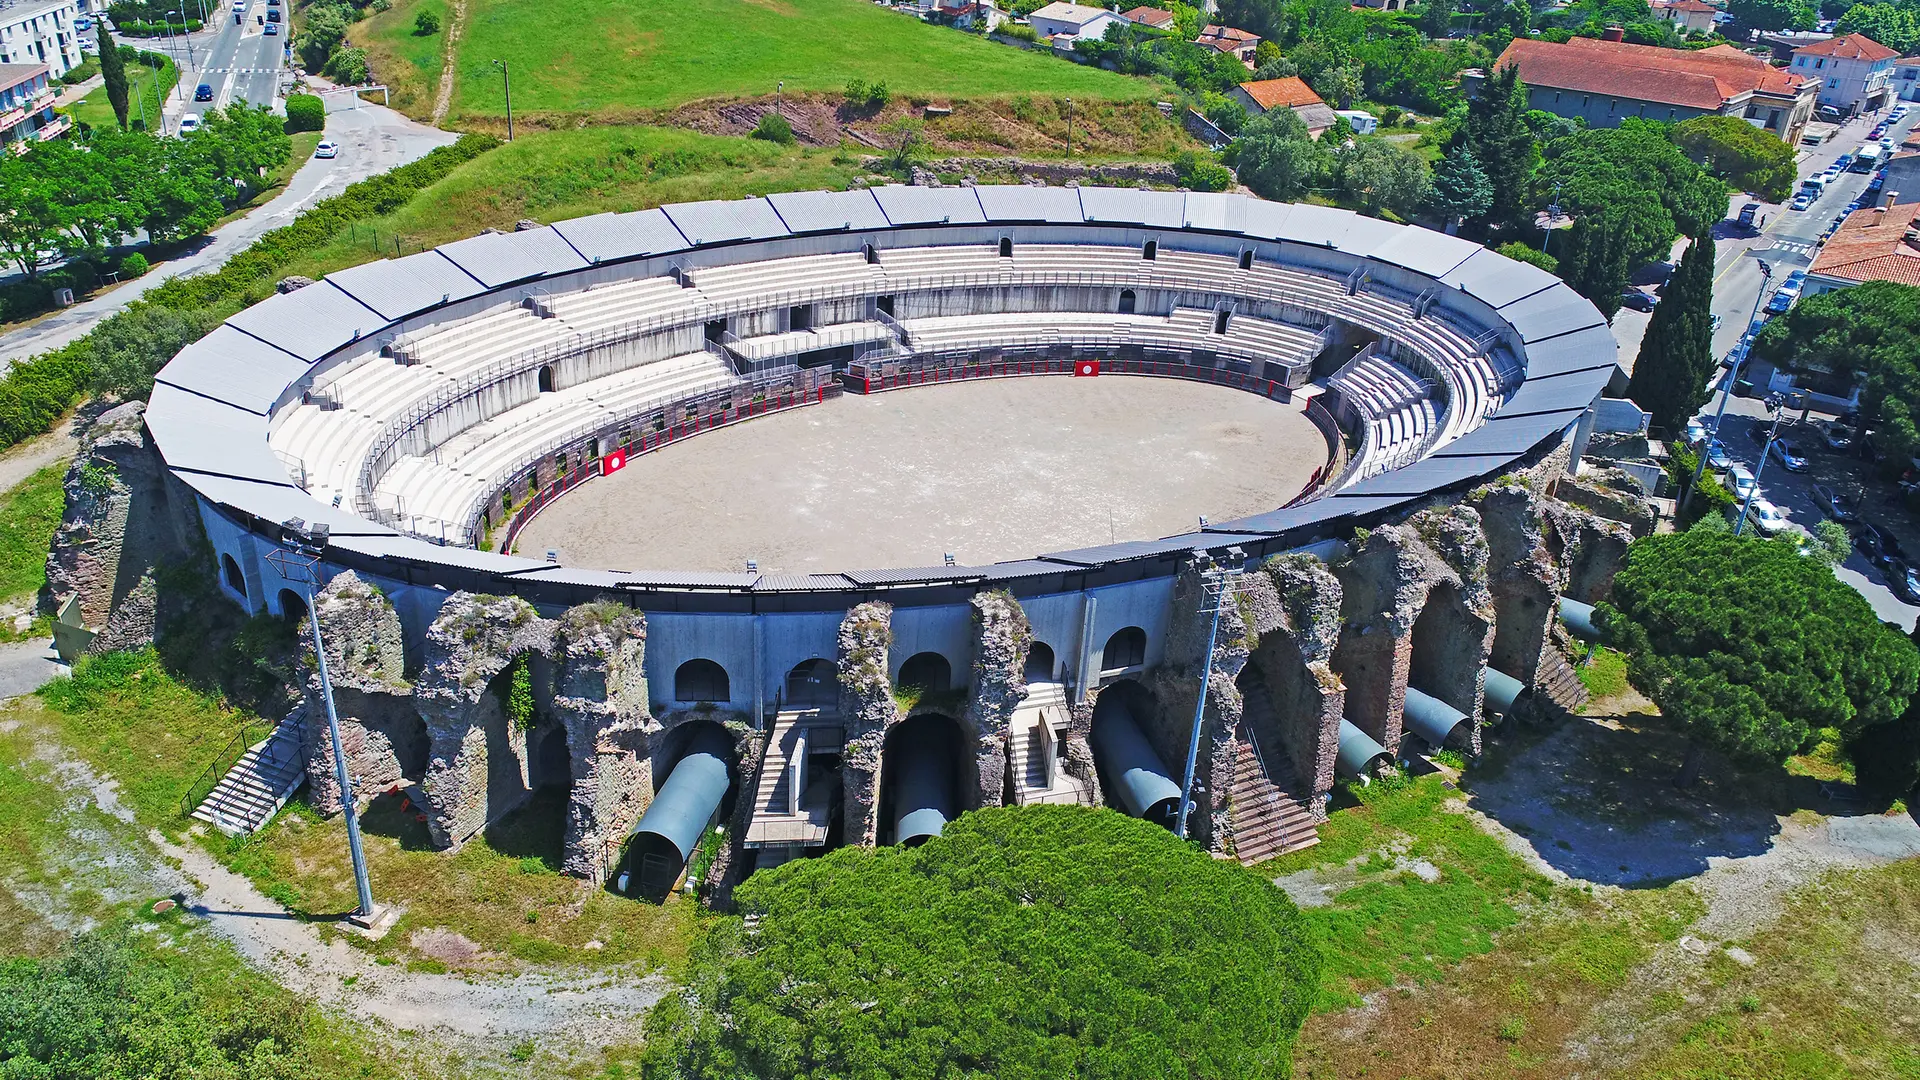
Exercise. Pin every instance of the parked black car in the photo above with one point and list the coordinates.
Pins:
(1904, 580)
(1878, 545)
(1833, 504)
(1637, 300)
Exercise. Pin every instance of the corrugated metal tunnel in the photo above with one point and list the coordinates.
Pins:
(1502, 691)
(1432, 719)
(1130, 769)
(685, 805)
(919, 778)
(1359, 755)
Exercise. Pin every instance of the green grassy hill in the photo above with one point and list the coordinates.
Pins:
(599, 59)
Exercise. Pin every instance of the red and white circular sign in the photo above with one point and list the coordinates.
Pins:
(1086, 367)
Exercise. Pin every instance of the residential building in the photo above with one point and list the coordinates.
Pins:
(41, 32)
(1855, 71)
(1692, 16)
(1065, 24)
(1230, 40)
(26, 106)
(1606, 80)
(1380, 5)
(1903, 170)
(1906, 78)
(964, 14)
(1149, 17)
(1782, 42)
(1288, 93)
(1878, 243)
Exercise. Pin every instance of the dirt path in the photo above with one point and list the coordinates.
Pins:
(22, 461)
(456, 25)
(569, 1012)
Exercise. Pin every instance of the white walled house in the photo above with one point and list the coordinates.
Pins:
(1855, 71)
(1072, 22)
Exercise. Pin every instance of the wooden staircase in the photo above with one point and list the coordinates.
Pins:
(259, 784)
(1266, 820)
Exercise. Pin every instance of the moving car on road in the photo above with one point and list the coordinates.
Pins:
(189, 124)
(327, 148)
(273, 28)
(1748, 212)
(1904, 579)
(203, 92)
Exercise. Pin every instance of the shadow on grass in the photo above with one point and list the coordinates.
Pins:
(537, 830)
(1598, 803)
(391, 815)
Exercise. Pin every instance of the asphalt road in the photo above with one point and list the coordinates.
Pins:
(237, 60)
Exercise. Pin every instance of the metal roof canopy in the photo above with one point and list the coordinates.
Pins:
(1496, 279)
(1318, 226)
(1152, 209)
(309, 322)
(1551, 312)
(1432, 474)
(1138, 549)
(667, 579)
(415, 550)
(499, 259)
(1509, 434)
(1426, 252)
(397, 288)
(720, 220)
(828, 211)
(274, 503)
(1582, 350)
(209, 436)
(1215, 211)
(236, 368)
(1012, 203)
(913, 575)
(800, 582)
(609, 237)
(929, 206)
(1557, 393)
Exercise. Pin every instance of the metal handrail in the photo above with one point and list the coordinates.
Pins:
(224, 760)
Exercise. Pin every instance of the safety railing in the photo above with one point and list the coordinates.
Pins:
(251, 731)
(924, 371)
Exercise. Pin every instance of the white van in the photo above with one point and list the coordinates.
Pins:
(1740, 479)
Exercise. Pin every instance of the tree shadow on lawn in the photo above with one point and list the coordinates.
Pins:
(1596, 800)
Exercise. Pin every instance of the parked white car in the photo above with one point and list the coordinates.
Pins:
(1767, 517)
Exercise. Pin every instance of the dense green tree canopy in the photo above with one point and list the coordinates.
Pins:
(1460, 186)
(1892, 25)
(1772, 14)
(1276, 157)
(1672, 372)
(1495, 130)
(1739, 153)
(1753, 646)
(1027, 942)
(1378, 175)
(1869, 332)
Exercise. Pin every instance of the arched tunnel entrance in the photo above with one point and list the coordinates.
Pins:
(1133, 775)
(692, 796)
(1443, 673)
(813, 684)
(1040, 663)
(922, 784)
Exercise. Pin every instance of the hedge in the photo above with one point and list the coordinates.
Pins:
(35, 393)
(305, 112)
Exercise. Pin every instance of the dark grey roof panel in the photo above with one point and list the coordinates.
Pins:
(608, 237)
(1582, 350)
(1425, 251)
(497, 259)
(1553, 393)
(1550, 312)
(271, 502)
(233, 367)
(727, 219)
(1153, 209)
(573, 575)
(397, 288)
(670, 579)
(1320, 226)
(1023, 568)
(1320, 510)
(828, 211)
(1139, 549)
(1509, 434)
(406, 547)
(1431, 474)
(1366, 235)
(1265, 220)
(800, 582)
(1018, 202)
(1215, 211)
(309, 322)
(929, 206)
(913, 575)
(1496, 279)
(209, 436)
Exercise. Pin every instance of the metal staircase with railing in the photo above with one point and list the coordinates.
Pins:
(259, 782)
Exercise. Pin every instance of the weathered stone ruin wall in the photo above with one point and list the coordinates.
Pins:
(868, 709)
(1608, 494)
(1588, 550)
(1177, 684)
(1521, 575)
(1454, 632)
(381, 734)
(1002, 637)
(1384, 587)
(125, 518)
(1293, 699)
(600, 700)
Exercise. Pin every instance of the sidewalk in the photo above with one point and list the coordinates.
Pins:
(71, 95)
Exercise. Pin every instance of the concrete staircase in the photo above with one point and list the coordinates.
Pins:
(1266, 819)
(783, 816)
(1033, 751)
(259, 784)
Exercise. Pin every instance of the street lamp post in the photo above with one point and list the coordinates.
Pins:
(1778, 403)
(506, 82)
(1726, 391)
(1553, 215)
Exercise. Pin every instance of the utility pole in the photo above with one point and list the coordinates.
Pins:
(506, 81)
(1778, 403)
(1219, 584)
(780, 98)
(1726, 391)
(1069, 127)
(299, 561)
(1553, 215)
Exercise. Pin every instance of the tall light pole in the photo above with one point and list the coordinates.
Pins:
(506, 82)
(1218, 586)
(1069, 127)
(1553, 215)
(1726, 391)
(1778, 403)
(779, 97)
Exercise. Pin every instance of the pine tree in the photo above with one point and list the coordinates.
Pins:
(1676, 356)
(1460, 187)
(1497, 133)
(113, 68)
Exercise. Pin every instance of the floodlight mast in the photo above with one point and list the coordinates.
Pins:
(299, 561)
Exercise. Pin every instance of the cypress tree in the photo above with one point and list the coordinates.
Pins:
(1676, 357)
(113, 68)
(1497, 133)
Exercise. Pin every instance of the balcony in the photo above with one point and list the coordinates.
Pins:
(59, 126)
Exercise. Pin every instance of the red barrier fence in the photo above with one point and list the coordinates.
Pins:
(873, 379)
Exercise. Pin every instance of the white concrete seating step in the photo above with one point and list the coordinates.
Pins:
(795, 342)
(606, 306)
(998, 329)
(767, 283)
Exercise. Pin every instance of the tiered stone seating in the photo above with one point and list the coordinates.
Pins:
(765, 284)
(1258, 337)
(1193, 330)
(605, 307)
(795, 342)
(1376, 384)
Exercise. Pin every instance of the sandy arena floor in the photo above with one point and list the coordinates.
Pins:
(991, 470)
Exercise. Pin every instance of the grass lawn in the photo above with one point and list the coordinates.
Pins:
(28, 515)
(1605, 675)
(579, 57)
(550, 176)
(147, 90)
(409, 63)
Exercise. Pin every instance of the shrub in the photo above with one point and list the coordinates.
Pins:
(1391, 116)
(133, 266)
(774, 128)
(426, 23)
(305, 112)
(1200, 172)
(87, 70)
(348, 66)
(1526, 254)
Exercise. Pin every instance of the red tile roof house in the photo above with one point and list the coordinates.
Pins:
(1694, 16)
(1855, 71)
(1230, 40)
(1287, 93)
(1605, 81)
(1151, 17)
(1878, 243)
